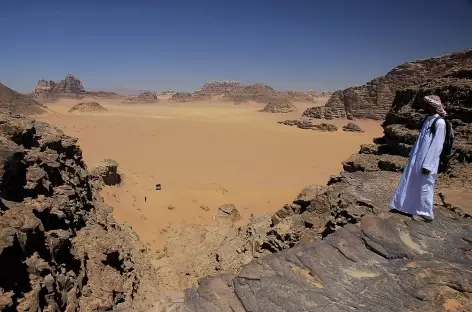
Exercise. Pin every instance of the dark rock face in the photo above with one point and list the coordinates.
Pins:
(280, 106)
(352, 127)
(62, 247)
(339, 248)
(17, 103)
(373, 100)
(144, 96)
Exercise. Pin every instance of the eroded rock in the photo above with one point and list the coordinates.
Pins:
(63, 249)
(106, 172)
(352, 127)
(373, 99)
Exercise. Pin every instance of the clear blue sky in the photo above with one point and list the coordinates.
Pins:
(179, 44)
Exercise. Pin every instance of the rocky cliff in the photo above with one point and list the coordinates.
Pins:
(338, 247)
(60, 248)
(18, 103)
(373, 99)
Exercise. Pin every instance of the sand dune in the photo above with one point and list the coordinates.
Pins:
(203, 154)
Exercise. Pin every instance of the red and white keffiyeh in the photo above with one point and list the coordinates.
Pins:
(435, 101)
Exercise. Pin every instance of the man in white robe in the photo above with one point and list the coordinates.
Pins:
(414, 195)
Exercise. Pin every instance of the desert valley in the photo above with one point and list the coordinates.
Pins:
(234, 197)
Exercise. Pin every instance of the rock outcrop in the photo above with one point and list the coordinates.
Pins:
(145, 96)
(87, 107)
(17, 103)
(60, 248)
(309, 125)
(338, 247)
(50, 91)
(299, 123)
(279, 106)
(373, 100)
(47, 91)
(106, 172)
(352, 127)
(325, 127)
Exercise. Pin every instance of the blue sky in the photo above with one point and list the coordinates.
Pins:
(179, 44)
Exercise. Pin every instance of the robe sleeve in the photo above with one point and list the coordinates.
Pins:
(431, 161)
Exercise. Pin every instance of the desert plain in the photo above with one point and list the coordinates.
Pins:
(204, 154)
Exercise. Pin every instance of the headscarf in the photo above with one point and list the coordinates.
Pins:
(435, 101)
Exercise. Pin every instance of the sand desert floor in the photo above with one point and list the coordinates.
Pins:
(203, 155)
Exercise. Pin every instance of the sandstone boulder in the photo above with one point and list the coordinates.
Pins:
(352, 127)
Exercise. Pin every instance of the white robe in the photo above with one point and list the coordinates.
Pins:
(414, 195)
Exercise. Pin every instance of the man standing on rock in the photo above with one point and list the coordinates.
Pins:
(414, 195)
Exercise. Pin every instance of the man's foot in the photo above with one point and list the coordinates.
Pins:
(422, 218)
(399, 212)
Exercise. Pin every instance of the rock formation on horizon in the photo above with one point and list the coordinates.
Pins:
(144, 96)
(234, 91)
(373, 100)
(338, 247)
(49, 91)
(18, 103)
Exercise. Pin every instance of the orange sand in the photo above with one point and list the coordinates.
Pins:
(203, 154)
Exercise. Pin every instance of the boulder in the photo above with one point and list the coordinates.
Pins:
(106, 172)
(228, 212)
(352, 127)
(325, 127)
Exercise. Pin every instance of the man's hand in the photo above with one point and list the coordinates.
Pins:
(425, 171)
